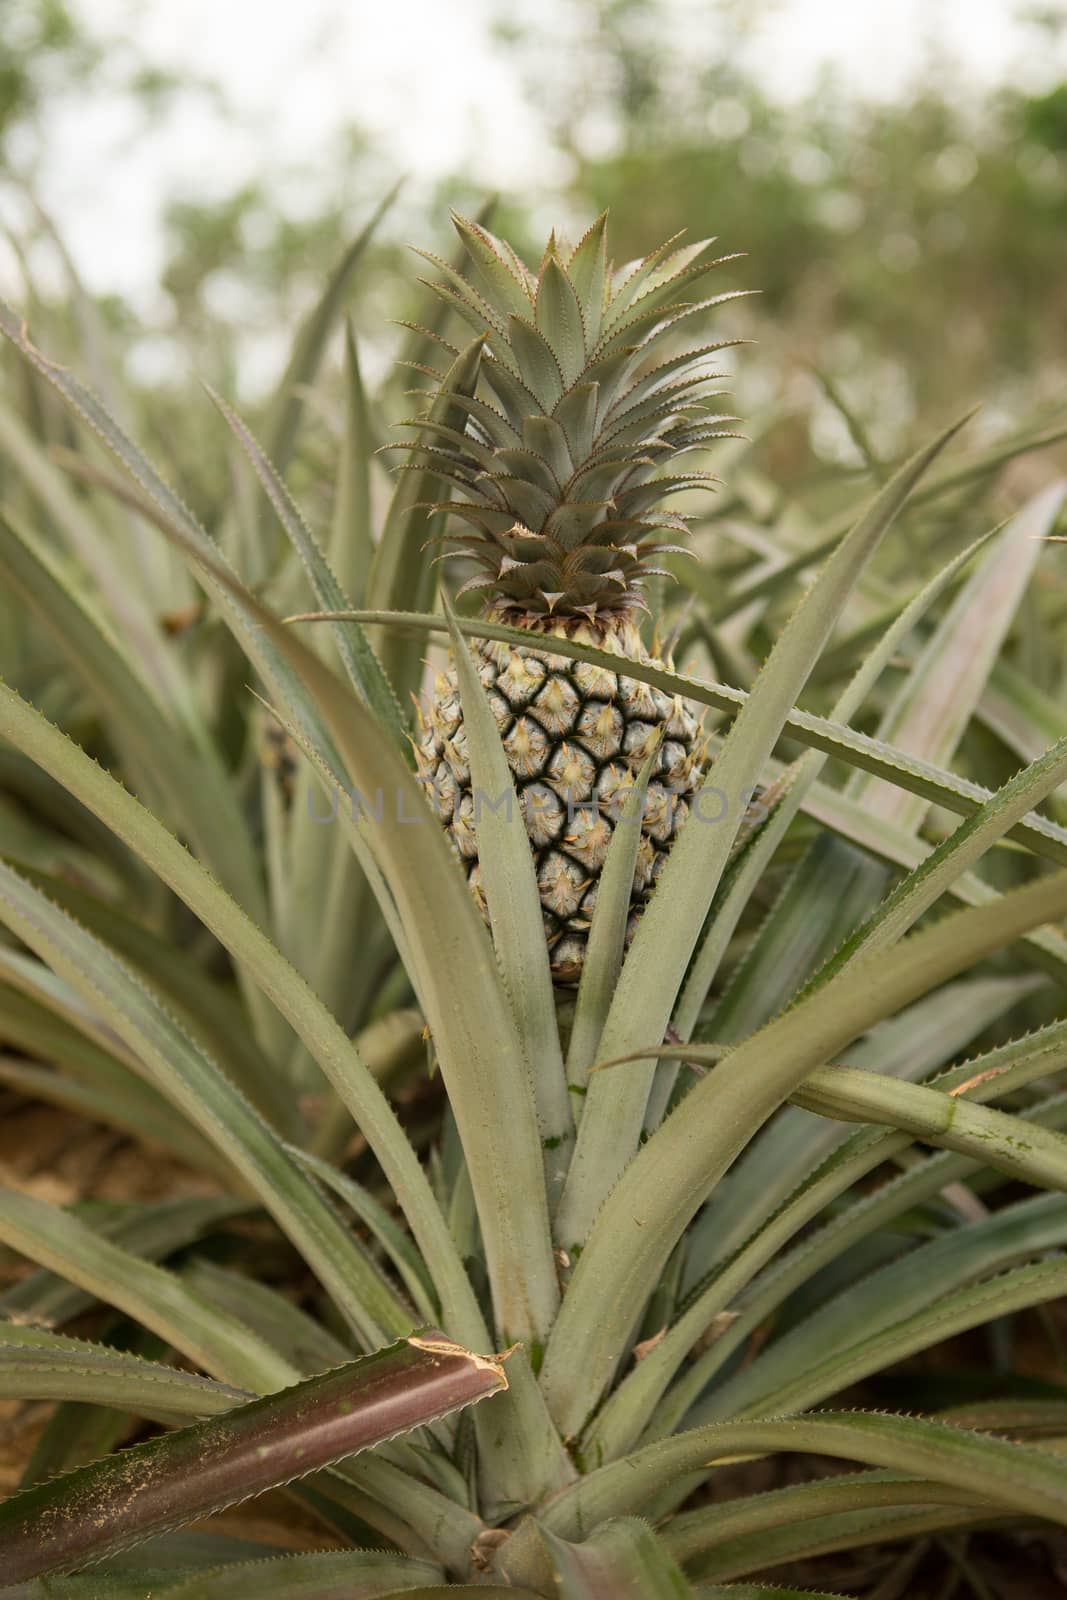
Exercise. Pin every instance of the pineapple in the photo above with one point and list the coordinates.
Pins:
(555, 479)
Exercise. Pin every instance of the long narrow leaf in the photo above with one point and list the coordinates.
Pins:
(333, 1051)
(168, 1481)
(919, 777)
(678, 1167)
(1009, 1475)
(157, 1299)
(39, 1365)
(516, 916)
(190, 1079)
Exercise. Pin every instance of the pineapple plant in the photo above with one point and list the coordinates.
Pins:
(507, 1328)
(556, 479)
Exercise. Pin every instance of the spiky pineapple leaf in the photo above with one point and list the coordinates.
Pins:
(607, 931)
(842, 1530)
(475, 1040)
(758, 987)
(190, 1079)
(150, 1294)
(82, 534)
(351, 543)
(186, 784)
(151, 1232)
(171, 1480)
(917, 892)
(1010, 1475)
(400, 575)
(358, 659)
(410, 1266)
(680, 1164)
(937, 698)
(760, 1591)
(954, 1313)
(757, 1518)
(721, 1275)
(319, 1575)
(205, 1007)
(287, 404)
(306, 1343)
(37, 1364)
(558, 315)
(515, 914)
(334, 1052)
(496, 268)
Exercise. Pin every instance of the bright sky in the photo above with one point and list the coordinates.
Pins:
(426, 76)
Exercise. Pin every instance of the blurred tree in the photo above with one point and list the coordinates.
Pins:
(911, 247)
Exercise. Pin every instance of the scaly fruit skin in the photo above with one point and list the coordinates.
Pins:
(576, 737)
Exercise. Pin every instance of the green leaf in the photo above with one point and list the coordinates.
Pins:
(401, 573)
(188, 1077)
(287, 405)
(638, 1402)
(351, 544)
(919, 1281)
(677, 1168)
(587, 270)
(434, 904)
(558, 315)
(321, 1575)
(607, 933)
(954, 1314)
(358, 659)
(151, 1232)
(916, 893)
(205, 1007)
(121, 1102)
(515, 916)
(453, 969)
(909, 1526)
(1033, 1155)
(536, 361)
(622, 1560)
(327, 1042)
(937, 698)
(392, 1238)
(187, 784)
(177, 1477)
(502, 282)
(758, 1517)
(916, 1042)
(150, 1294)
(38, 1365)
(307, 1344)
(1013, 1476)
(919, 1185)
(760, 1591)
(102, 557)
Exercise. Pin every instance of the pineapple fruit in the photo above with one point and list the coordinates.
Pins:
(556, 481)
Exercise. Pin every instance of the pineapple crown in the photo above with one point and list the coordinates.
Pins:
(571, 406)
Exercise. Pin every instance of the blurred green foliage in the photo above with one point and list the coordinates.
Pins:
(910, 248)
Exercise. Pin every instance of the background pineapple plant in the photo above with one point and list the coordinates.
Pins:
(684, 1264)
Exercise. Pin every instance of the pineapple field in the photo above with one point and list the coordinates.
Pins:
(533, 975)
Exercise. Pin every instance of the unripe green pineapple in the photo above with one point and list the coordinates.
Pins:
(555, 477)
